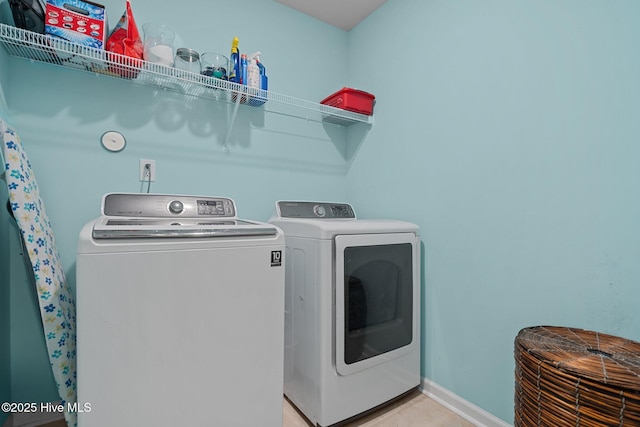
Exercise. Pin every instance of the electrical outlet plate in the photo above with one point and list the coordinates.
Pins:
(143, 171)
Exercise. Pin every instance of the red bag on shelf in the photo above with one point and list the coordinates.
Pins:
(125, 40)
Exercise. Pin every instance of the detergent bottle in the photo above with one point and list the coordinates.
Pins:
(234, 72)
(243, 69)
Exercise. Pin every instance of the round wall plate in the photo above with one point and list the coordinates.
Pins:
(113, 141)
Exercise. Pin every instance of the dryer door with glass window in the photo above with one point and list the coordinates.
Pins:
(376, 294)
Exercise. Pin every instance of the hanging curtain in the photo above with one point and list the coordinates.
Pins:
(57, 305)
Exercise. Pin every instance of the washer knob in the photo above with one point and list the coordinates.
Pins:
(319, 210)
(176, 207)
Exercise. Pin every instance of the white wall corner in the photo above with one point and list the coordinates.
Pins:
(465, 409)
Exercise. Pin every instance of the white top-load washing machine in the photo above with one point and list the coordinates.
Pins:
(352, 309)
(180, 315)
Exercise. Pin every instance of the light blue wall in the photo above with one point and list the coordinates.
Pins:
(508, 130)
(25, 375)
(5, 330)
(61, 114)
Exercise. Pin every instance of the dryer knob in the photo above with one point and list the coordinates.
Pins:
(176, 207)
(319, 210)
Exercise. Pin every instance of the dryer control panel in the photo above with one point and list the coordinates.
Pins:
(315, 210)
(166, 206)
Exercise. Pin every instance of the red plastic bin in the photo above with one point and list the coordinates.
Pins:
(350, 99)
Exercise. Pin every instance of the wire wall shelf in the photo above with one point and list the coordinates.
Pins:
(43, 48)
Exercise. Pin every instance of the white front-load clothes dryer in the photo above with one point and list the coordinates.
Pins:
(352, 309)
(180, 315)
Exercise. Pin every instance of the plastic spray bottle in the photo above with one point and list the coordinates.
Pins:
(234, 74)
(256, 79)
(253, 72)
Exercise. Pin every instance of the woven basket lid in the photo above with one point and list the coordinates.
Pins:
(591, 355)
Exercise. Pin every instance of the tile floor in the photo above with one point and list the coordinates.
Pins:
(412, 410)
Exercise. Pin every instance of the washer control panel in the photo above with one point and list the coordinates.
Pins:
(166, 206)
(316, 210)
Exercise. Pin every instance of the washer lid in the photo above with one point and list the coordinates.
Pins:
(128, 228)
(139, 215)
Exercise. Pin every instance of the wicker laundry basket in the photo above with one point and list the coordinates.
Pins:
(573, 377)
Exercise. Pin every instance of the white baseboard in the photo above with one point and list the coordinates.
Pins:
(33, 419)
(467, 410)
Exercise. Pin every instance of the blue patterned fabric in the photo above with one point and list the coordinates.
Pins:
(57, 306)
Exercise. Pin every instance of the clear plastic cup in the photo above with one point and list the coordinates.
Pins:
(158, 44)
